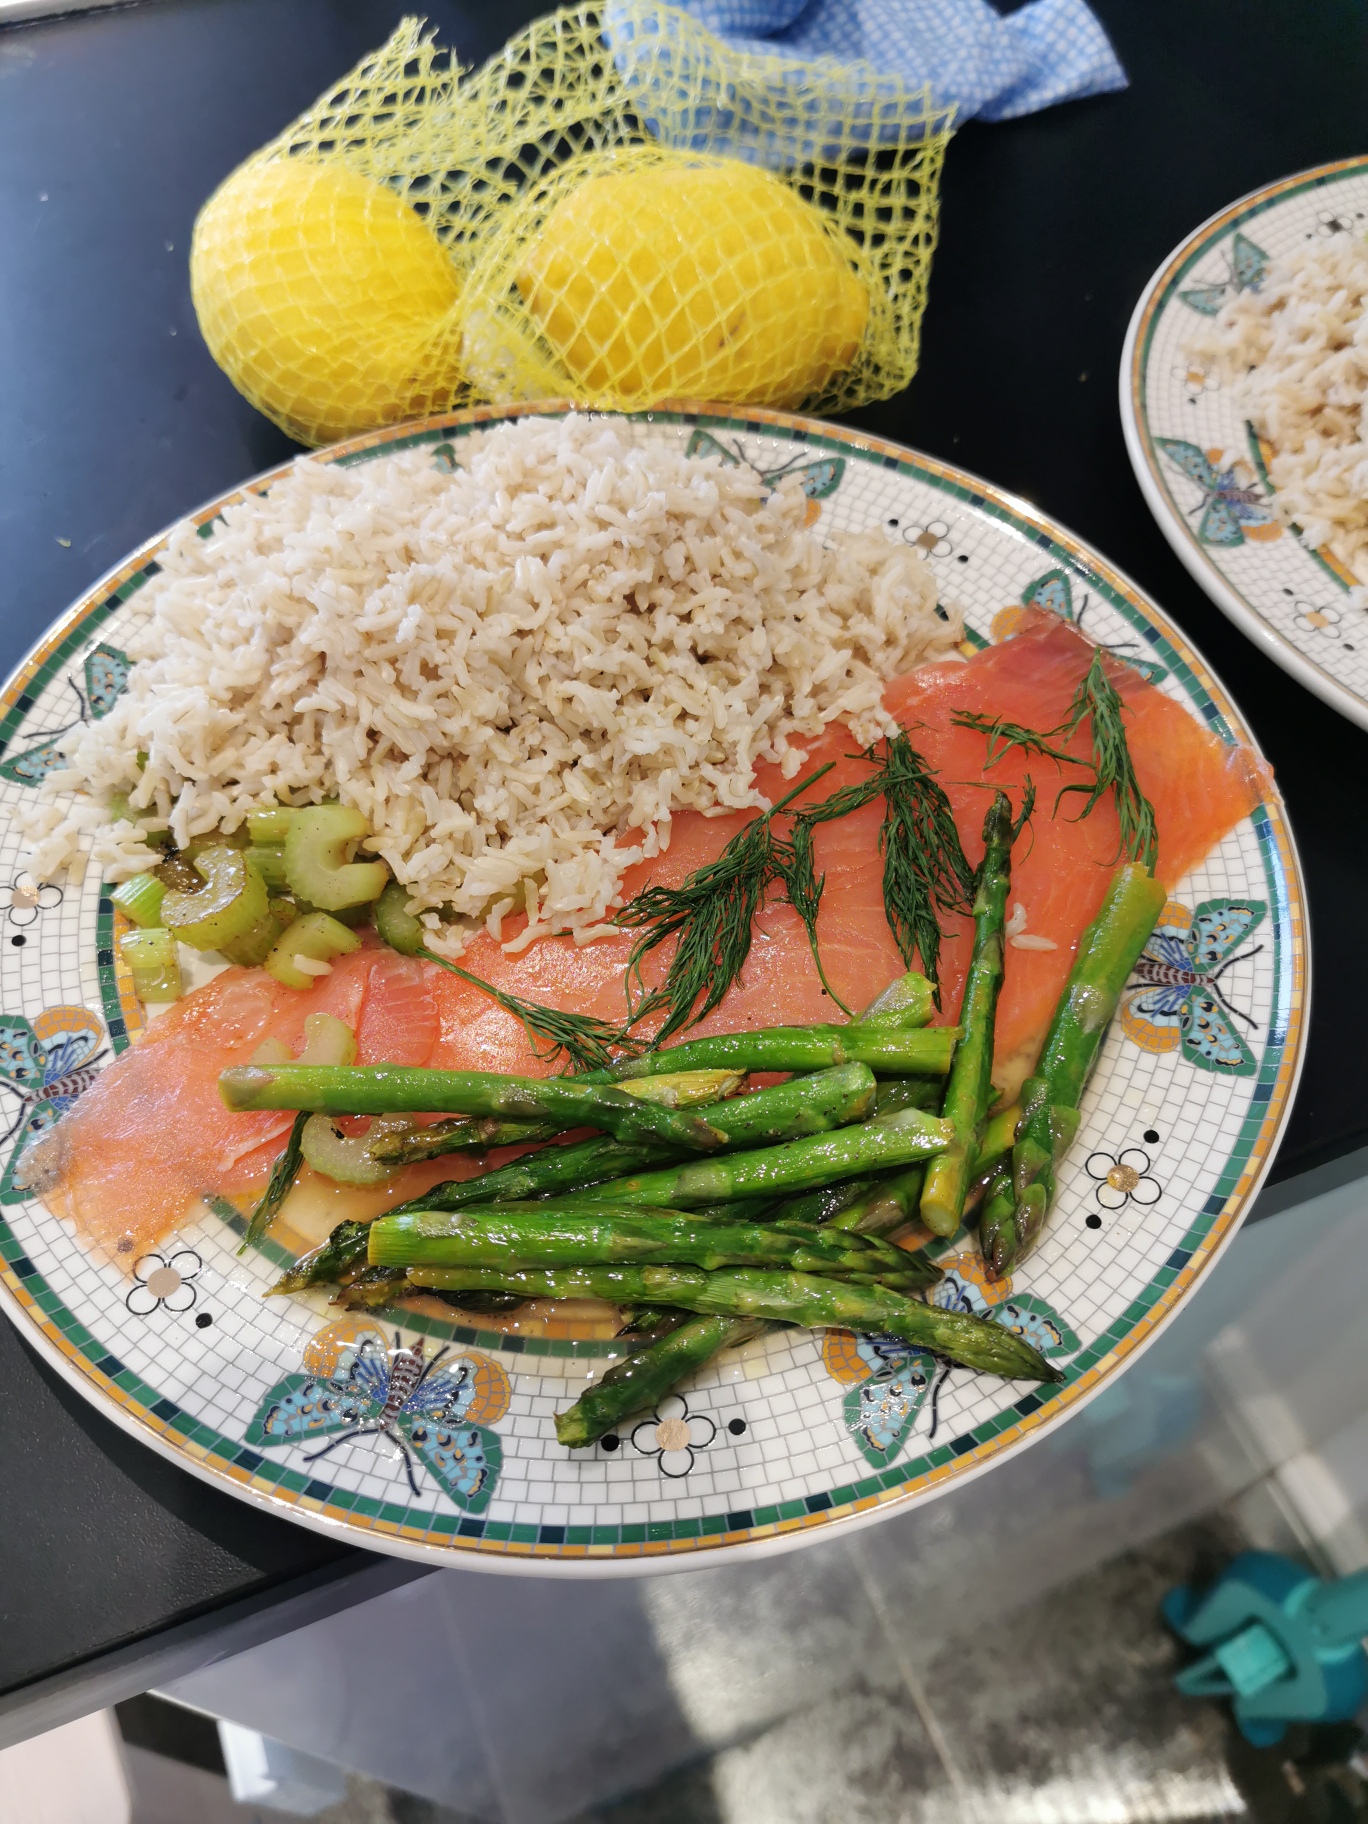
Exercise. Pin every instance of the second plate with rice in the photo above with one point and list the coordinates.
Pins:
(1242, 384)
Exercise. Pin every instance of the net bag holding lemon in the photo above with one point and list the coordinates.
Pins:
(616, 209)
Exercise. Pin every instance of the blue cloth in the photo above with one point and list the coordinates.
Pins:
(974, 61)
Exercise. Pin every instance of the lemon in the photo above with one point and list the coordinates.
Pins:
(693, 281)
(325, 298)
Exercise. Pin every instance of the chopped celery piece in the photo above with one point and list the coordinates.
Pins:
(200, 845)
(318, 845)
(395, 925)
(327, 1040)
(269, 861)
(270, 826)
(155, 963)
(343, 1157)
(355, 916)
(230, 904)
(178, 873)
(315, 938)
(119, 810)
(141, 899)
(254, 946)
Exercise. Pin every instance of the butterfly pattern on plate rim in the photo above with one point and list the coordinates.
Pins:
(888, 1382)
(46, 1063)
(1180, 1003)
(105, 672)
(435, 1411)
(1260, 456)
(1053, 591)
(1231, 506)
(820, 479)
(1246, 265)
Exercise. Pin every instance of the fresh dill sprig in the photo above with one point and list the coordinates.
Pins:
(924, 862)
(1097, 700)
(712, 913)
(1004, 736)
(803, 889)
(588, 1042)
(925, 866)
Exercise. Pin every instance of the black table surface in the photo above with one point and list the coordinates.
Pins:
(114, 127)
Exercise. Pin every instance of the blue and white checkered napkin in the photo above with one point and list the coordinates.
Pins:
(974, 61)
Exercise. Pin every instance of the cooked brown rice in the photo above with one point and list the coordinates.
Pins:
(517, 671)
(1296, 351)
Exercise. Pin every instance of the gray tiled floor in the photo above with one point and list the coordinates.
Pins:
(1061, 1714)
(750, 1645)
(1069, 1703)
(803, 1698)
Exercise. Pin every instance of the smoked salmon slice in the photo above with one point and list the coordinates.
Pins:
(151, 1138)
(129, 1165)
(1200, 788)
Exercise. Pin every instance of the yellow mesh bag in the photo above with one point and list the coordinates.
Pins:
(618, 223)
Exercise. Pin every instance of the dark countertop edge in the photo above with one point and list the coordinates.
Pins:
(1309, 1181)
(104, 1679)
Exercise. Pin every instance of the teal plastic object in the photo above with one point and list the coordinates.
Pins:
(1285, 1646)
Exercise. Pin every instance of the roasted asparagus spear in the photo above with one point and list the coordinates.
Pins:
(969, 1088)
(889, 1140)
(386, 1089)
(1107, 952)
(575, 1235)
(792, 1298)
(643, 1378)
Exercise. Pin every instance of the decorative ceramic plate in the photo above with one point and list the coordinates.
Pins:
(792, 1435)
(1198, 460)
